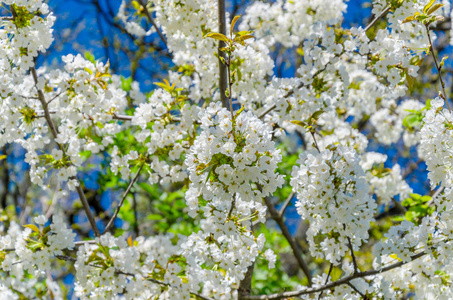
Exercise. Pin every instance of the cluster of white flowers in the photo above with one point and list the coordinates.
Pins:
(436, 141)
(232, 158)
(385, 183)
(28, 32)
(32, 251)
(163, 132)
(232, 166)
(333, 197)
(289, 22)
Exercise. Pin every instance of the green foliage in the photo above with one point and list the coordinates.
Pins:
(415, 117)
(418, 207)
(90, 57)
(126, 83)
(267, 281)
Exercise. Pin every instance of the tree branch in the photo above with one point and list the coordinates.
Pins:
(110, 223)
(222, 68)
(331, 285)
(285, 205)
(438, 67)
(383, 13)
(297, 253)
(151, 20)
(54, 132)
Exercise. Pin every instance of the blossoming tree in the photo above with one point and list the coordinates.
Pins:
(206, 160)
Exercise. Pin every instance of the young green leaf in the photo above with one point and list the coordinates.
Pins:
(434, 8)
(234, 23)
(33, 227)
(217, 36)
(442, 62)
(409, 19)
(427, 6)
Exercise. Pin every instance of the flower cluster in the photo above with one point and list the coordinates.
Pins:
(164, 133)
(385, 183)
(232, 158)
(333, 196)
(436, 141)
(34, 248)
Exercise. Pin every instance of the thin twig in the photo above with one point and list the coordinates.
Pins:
(285, 205)
(354, 261)
(439, 68)
(398, 204)
(151, 20)
(356, 290)
(81, 243)
(315, 142)
(327, 279)
(383, 13)
(296, 251)
(230, 85)
(122, 117)
(53, 130)
(110, 223)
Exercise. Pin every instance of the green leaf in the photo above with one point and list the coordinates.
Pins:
(88, 71)
(241, 39)
(409, 19)
(2, 157)
(408, 202)
(245, 32)
(90, 57)
(316, 114)
(425, 198)
(427, 6)
(412, 120)
(300, 123)
(126, 83)
(136, 5)
(410, 80)
(234, 23)
(434, 8)
(155, 217)
(162, 85)
(46, 229)
(217, 36)
(33, 227)
(442, 62)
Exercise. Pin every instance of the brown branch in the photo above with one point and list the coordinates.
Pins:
(438, 67)
(151, 20)
(327, 279)
(334, 284)
(296, 251)
(354, 261)
(383, 13)
(285, 205)
(245, 287)
(53, 130)
(110, 223)
(222, 68)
